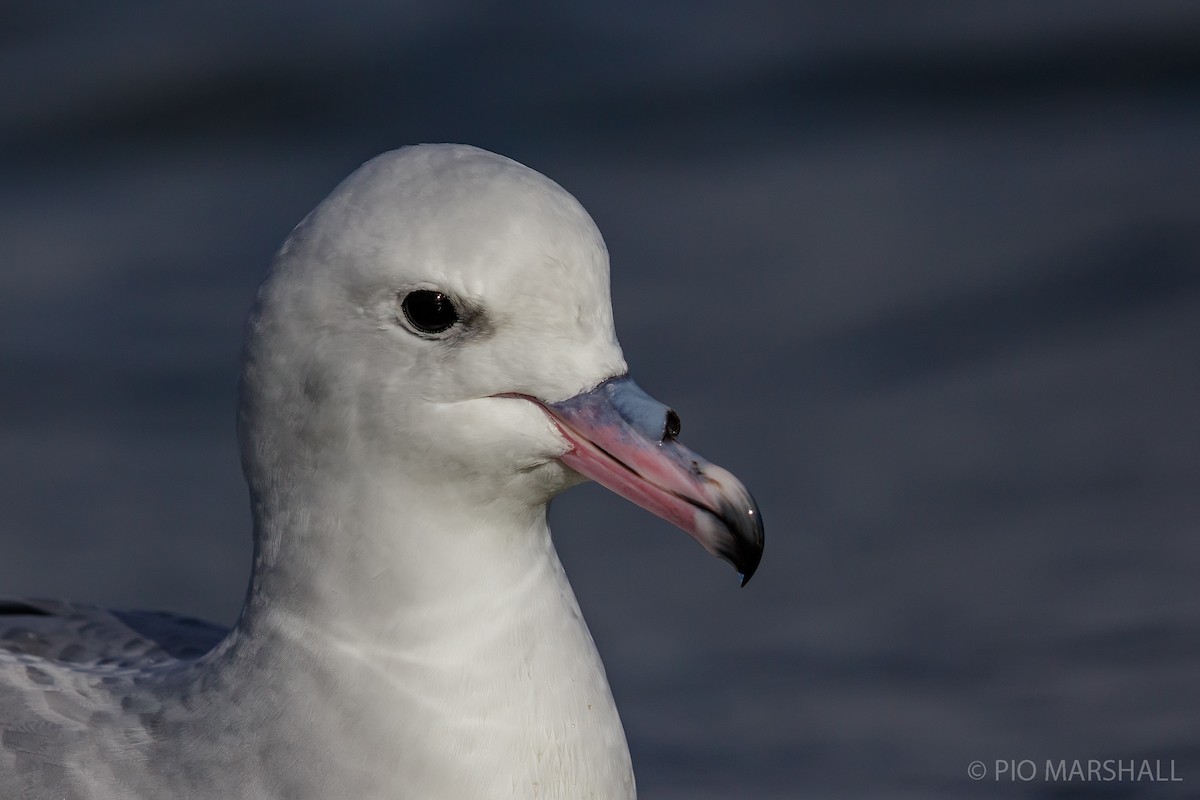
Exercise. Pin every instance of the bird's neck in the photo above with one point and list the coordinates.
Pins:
(445, 645)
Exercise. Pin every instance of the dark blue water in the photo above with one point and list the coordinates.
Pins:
(925, 275)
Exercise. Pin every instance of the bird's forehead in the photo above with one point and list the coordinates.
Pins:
(507, 244)
(473, 222)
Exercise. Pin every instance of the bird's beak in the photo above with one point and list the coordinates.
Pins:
(625, 440)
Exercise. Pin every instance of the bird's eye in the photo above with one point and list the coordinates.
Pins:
(429, 311)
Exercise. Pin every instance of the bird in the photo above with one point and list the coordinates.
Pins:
(429, 361)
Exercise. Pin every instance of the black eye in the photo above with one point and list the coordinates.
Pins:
(429, 311)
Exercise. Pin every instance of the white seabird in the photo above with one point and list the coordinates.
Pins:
(430, 360)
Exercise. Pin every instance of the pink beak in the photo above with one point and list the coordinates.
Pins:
(625, 440)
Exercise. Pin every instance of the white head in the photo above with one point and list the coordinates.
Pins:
(426, 340)
(331, 347)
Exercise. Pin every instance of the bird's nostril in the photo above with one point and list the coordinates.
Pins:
(671, 430)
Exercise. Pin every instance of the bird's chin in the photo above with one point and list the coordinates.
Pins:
(571, 477)
(547, 479)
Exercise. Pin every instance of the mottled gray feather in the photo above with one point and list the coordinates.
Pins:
(68, 671)
(83, 634)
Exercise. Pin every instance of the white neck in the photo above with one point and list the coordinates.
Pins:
(448, 659)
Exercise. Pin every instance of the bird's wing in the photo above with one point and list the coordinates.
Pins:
(72, 705)
(86, 635)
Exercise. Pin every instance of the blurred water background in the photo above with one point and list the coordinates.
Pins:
(925, 275)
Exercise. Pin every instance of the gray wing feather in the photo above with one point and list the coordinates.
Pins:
(74, 712)
(86, 635)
